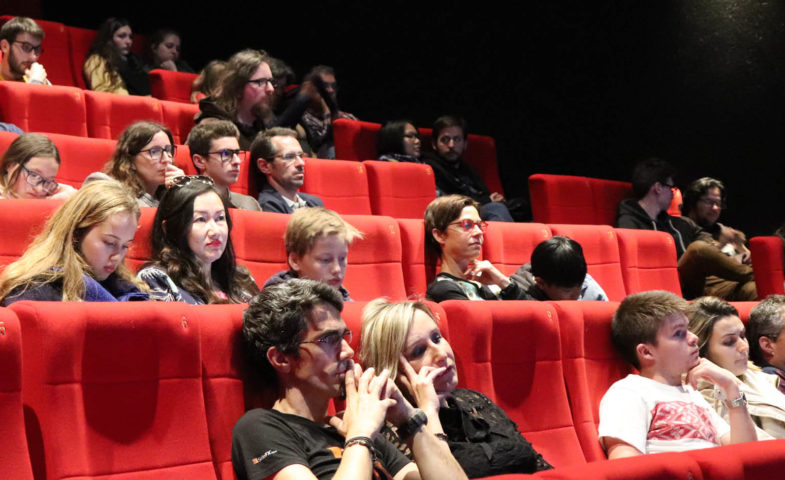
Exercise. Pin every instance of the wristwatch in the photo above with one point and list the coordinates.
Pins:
(417, 420)
(739, 402)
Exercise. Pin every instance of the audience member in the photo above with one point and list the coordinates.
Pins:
(110, 65)
(80, 252)
(404, 339)
(298, 343)
(164, 52)
(20, 44)
(29, 167)
(703, 268)
(399, 141)
(192, 257)
(216, 153)
(658, 411)
(766, 340)
(317, 247)
(206, 84)
(453, 176)
(722, 340)
(317, 121)
(283, 78)
(277, 154)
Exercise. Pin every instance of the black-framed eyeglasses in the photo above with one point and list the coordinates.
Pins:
(228, 154)
(411, 136)
(34, 179)
(262, 82)
(710, 202)
(669, 185)
(468, 225)
(291, 156)
(28, 47)
(183, 180)
(332, 339)
(156, 153)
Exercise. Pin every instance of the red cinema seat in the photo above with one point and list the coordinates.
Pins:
(22, 220)
(355, 140)
(601, 250)
(13, 440)
(79, 41)
(752, 460)
(258, 242)
(141, 248)
(374, 266)
(744, 309)
(419, 269)
(6, 138)
(648, 261)
(44, 108)
(249, 178)
(510, 352)
(644, 467)
(509, 245)
(576, 200)
(173, 86)
(400, 190)
(56, 57)
(342, 185)
(108, 114)
(767, 262)
(179, 118)
(113, 391)
(81, 156)
(591, 365)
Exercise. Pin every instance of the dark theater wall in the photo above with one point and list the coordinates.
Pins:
(580, 88)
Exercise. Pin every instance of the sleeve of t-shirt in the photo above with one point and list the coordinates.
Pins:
(392, 459)
(263, 444)
(624, 415)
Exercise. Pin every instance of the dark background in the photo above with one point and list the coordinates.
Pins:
(582, 88)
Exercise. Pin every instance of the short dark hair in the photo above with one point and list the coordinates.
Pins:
(440, 212)
(703, 314)
(201, 136)
(447, 121)
(18, 25)
(698, 189)
(263, 147)
(638, 319)
(649, 171)
(766, 320)
(390, 139)
(319, 70)
(559, 261)
(278, 317)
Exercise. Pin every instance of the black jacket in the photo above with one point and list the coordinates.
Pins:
(631, 215)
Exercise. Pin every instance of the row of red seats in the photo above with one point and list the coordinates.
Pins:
(391, 259)
(152, 390)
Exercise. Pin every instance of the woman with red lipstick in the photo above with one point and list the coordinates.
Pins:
(79, 254)
(110, 65)
(192, 255)
(722, 340)
(404, 339)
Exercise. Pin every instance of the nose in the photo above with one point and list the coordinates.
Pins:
(299, 162)
(346, 350)
(744, 346)
(692, 339)
(268, 88)
(438, 355)
(236, 160)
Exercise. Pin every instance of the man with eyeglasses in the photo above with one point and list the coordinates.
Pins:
(20, 44)
(299, 345)
(215, 152)
(704, 269)
(279, 157)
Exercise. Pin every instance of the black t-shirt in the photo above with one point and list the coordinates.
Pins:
(266, 441)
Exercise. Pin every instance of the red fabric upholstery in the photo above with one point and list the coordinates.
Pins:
(6, 138)
(591, 365)
(576, 200)
(248, 179)
(140, 251)
(509, 245)
(258, 242)
(56, 57)
(753, 460)
(375, 266)
(601, 250)
(355, 140)
(744, 309)
(44, 108)
(22, 220)
(79, 41)
(648, 261)
(645, 467)
(400, 190)
(767, 262)
(13, 440)
(179, 118)
(81, 156)
(342, 185)
(114, 390)
(675, 208)
(510, 351)
(108, 114)
(417, 271)
(173, 86)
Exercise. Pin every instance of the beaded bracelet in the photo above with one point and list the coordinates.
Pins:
(442, 437)
(364, 441)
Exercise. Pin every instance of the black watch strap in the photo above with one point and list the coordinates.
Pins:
(414, 423)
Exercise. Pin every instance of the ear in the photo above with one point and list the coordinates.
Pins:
(264, 166)
(766, 345)
(540, 282)
(4, 46)
(199, 162)
(294, 262)
(279, 360)
(439, 236)
(645, 353)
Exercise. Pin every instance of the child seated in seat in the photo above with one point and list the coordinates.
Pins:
(317, 245)
(659, 410)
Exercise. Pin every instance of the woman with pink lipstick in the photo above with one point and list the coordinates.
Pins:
(110, 65)
(722, 340)
(192, 255)
(404, 339)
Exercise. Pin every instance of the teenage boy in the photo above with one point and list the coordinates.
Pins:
(659, 409)
(317, 245)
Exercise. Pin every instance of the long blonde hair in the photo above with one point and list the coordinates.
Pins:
(53, 255)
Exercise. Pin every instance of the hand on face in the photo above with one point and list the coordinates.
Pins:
(420, 385)
(706, 370)
(367, 402)
(36, 73)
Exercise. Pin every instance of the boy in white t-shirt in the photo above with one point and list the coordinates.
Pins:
(659, 410)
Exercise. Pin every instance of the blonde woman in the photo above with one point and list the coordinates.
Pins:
(405, 339)
(29, 167)
(80, 252)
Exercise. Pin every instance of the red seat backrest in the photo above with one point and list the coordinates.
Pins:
(108, 114)
(114, 390)
(179, 118)
(22, 220)
(751, 460)
(577, 200)
(509, 245)
(648, 261)
(173, 86)
(510, 351)
(81, 156)
(342, 185)
(79, 41)
(400, 190)
(601, 250)
(6, 138)
(56, 57)
(374, 266)
(418, 271)
(13, 440)
(767, 262)
(141, 248)
(258, 242)
(355, 140)
(44, 108)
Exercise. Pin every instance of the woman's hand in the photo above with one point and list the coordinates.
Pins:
(171, 173)
(420, 386)
(484, 272)
(366, 403)
(63, 191)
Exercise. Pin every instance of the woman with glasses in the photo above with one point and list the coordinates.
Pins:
(192, 255)
(399, 141)
(79, 255)
(29, 167)
(454, 232)
(110, 65)
(143, 161)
